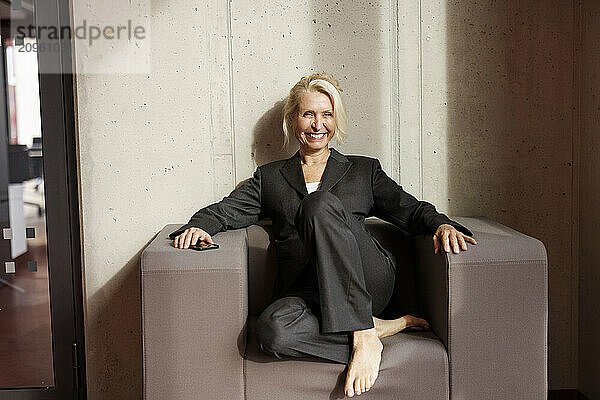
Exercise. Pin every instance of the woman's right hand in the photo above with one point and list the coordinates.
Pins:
(191, 236)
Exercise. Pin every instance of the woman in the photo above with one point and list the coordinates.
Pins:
(334, 279)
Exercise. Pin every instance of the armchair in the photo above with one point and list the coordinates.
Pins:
(487, 308)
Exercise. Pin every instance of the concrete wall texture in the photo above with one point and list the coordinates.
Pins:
(469, 104)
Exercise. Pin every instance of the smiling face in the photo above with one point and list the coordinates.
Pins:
(315, 124)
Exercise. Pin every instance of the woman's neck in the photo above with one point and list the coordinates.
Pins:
(318, 157)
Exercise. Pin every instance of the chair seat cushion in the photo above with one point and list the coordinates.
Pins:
(414, 366)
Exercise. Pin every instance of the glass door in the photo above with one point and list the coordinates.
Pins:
(25, 323)
(41, 335)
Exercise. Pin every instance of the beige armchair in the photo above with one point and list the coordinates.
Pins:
(487, 307)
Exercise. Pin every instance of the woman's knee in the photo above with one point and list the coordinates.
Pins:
(277, 326)
(318, 202)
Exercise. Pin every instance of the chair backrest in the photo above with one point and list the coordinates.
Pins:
(262, 266)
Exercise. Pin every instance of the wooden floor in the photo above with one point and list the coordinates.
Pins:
(25, 335)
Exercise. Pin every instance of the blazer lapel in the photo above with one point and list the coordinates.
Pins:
(292, 172)
(337, 166)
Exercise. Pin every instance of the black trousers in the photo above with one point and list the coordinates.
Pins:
(348, 280)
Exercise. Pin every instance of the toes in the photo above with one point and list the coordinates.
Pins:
(357, 386)
(349, 392)
(370, 382)
(374, 378)
(349, 387)
(363, 385)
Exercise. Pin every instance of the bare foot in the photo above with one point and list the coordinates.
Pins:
(389, 327)
(363, 368)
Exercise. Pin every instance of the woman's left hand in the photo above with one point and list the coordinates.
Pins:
(447, 236)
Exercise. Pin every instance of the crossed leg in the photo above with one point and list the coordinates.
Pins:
(352, 281)
(288, 327)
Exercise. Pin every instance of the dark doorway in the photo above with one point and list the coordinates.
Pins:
(41, 302)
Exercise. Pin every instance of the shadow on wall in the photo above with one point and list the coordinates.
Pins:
(114, 315)
(509, 120)
(268, 137)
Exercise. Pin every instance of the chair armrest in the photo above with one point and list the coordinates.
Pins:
(489, 305)
(194, 312)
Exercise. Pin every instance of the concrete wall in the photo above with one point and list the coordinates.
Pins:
(467, 104)
(495, 105)
(153, 147)
(508, 148)
(589, 313)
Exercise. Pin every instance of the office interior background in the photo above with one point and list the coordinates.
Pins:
(479, 107)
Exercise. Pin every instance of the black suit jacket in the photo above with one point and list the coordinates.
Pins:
(276, 190)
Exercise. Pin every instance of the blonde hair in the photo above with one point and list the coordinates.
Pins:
(322, 83)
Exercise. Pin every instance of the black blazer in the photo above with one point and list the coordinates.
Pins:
(276, 190)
